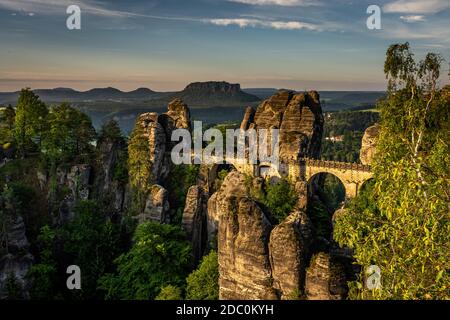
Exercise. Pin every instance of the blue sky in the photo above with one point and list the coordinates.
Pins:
(165, 44)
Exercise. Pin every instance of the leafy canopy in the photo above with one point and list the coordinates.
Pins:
(159, 257)
(402, 223)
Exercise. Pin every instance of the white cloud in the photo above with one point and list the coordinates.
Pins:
(416, 6)
(411, 19)
(285, 3)
(279, 25)
(52, 7)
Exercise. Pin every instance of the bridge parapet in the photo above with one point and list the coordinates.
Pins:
(336, 165)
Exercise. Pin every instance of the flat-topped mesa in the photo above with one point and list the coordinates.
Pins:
(299, 118)
(214, 86)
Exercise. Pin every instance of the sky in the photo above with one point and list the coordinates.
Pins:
(166, 44)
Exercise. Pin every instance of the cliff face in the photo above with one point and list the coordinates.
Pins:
(368, 145)
(15, 258)
(194, 220)
(257, 259)
(325, 278)
(155, 131)
(243, 237)
(299, 118)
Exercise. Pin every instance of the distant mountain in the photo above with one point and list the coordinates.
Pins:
(71, 95)
(262, 93)
(214, 94)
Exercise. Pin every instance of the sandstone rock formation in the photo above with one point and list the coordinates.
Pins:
(72, 185)
(15, 259)
(194, 220)
(244, 264)
(289, 253)
(155, 134)
(299, 118)
(156, 206)
(106, 186)
(368, 145)
(325, 278)
(157, 130)
(256, 259)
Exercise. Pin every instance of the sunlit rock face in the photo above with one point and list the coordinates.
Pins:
(299, 118)
(156, 206)
(369, 143)
(194, 220)
(289, 247)
(325, 278)
(157, 130)
(257, 259)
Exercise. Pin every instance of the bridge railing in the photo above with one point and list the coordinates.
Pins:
(335, 164)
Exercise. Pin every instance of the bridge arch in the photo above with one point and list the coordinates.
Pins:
(351, 175)
(327, 180)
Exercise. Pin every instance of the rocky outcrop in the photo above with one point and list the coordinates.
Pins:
(289, 253)
(243, 235)
(325, 278)
(107, 186)
(194, 220)
(257, 259)
(368, 145)
(15, 259)
(157, 130)
(249, 117)
(72, 185)
(299, 118)
(156, 206)
(153, 132)
(244, 264)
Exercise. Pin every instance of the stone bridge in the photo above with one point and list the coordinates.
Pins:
(352, 175)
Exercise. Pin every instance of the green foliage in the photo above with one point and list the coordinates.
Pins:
(110, 131)
(181, 177)
(69, 135)
(30, 121)
(7, 119)
(280, 198)
(320, 217)
(203, 283)
(159, 257)
(13, 288)
(170, 293)
(348, 126)
(139, 163)
(92, 242)
(120, 170)
(402, 225)
(44, 274)
(8, 213)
